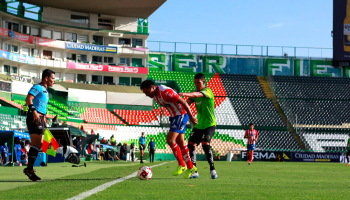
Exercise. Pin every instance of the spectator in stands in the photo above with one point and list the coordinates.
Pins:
(63, 123)
(4, 151)
(124, 151)
(24, 155)
(101, 154)
(92, 132)
(55, 122)
(27, 145)
(151, 149)
(77, 145)
(132, 151)
(17, 151)
(108, 155)
(103, 141)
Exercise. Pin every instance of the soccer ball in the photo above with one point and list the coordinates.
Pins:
(145, 173)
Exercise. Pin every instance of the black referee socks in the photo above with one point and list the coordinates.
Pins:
(33, 153)
(209, 156)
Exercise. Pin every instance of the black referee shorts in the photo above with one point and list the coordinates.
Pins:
(202, 135)
(142, 147)
(34, 128)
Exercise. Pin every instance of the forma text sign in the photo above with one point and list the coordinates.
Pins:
(107, 68)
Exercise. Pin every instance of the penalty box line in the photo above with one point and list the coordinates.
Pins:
(106, 185)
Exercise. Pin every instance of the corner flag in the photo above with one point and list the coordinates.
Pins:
(49, 144)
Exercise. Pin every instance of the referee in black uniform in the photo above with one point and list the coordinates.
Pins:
(37, 100)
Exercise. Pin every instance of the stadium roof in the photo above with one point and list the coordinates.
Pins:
(124, 8)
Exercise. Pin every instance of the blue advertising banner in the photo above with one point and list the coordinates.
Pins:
(17, 57)
(91, 47)
(315, 157)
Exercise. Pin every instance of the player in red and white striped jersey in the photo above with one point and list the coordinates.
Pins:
(252, 136)
(179, 114)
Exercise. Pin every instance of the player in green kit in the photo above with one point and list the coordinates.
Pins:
(348, 153)
(205, 129)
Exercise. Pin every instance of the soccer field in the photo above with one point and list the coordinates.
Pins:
(236, 180)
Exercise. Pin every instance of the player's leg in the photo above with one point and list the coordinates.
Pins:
(348, 159)
(180, 140)
(171, 140)
(36, 143)
(193, 141)
(208, 135)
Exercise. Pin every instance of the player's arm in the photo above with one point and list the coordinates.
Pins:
(246, 134)
(29, 102)
(189, 101)
(188, 110)
(192, 94)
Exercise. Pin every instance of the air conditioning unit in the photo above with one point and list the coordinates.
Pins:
(115, 34)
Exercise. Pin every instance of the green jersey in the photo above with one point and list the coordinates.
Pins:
(205, 109)
(349, 143)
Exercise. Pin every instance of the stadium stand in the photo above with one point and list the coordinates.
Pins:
(99, 115)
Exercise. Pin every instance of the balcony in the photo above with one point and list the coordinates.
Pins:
(51, 63)
(128, 49)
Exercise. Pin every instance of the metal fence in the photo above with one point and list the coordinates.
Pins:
(242, 50)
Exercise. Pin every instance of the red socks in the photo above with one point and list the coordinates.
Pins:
(186, 157)
(177, 154)
(250, 157)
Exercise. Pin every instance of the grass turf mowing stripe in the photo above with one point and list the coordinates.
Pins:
(106, 185)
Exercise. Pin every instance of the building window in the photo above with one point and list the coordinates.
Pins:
(124, 81)
(82, 58)
(125, 61)
(35, 31)
(46, 33)
(57, 35)
(7, 47)
(83, 38)
(124, 41)
(81, 77)
(108, 60)
(71, 56)
(14, 49)
(97, 59)
(108, 80)
(7, 69)
(14, 70)
(97, 39)
(12, 26)
(137, 42)
(79, 19)
(136, 62)
(47, 54)
(70, 78)
(25, 51)
(136, 81)
(26, 29)
(96, 79)
(35, 52)
(58, 55)
(72, 37)
(105, 22)
(57, 75)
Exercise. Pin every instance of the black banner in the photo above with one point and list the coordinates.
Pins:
(315, 157)
(268, 156)
(341, 33)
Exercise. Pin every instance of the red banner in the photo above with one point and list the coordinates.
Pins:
(49, 42)
(24, 37)
(107, 68)
(4, 32)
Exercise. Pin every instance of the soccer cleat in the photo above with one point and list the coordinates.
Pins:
(213, 174)
(249, 163)
(189, 172)
(31, 174)
(179, 170)
(195, 175)
(347, 164)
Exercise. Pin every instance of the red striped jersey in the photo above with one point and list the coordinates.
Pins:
(251, 135)
(167, 97)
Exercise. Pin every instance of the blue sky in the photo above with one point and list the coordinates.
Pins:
(297, 23)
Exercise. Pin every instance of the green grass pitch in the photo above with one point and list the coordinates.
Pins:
(236, 180)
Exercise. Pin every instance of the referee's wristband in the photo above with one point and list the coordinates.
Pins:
(31, 108)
